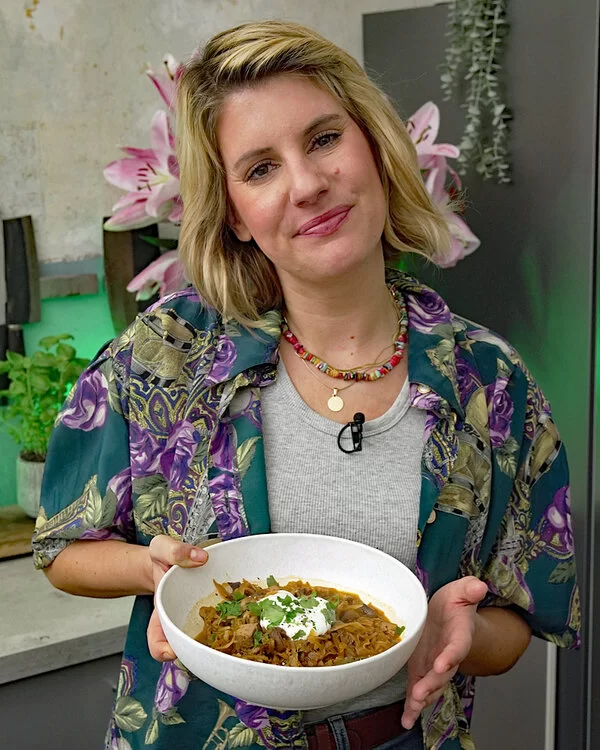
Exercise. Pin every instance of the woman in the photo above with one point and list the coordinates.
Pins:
(301, 189)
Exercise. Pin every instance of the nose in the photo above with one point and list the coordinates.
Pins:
(307, 182)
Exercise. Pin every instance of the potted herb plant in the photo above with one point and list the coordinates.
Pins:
(38, 386)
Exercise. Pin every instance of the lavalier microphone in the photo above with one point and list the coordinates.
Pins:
(356, 430)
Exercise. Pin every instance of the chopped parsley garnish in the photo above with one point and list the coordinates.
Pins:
(271, 581)
(229, 609)
(213, 637)
(299, 634)
(308, 602)
(400, 630)
(254, 608)
(333, 603)
(272, 613)
(329, 615)
(237, 596)
(257, 637)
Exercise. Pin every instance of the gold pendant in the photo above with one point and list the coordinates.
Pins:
(335, 402)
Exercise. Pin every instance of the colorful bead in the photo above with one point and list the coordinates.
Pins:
(358, 375)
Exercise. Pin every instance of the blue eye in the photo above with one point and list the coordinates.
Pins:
(259, 171)
(325, 139)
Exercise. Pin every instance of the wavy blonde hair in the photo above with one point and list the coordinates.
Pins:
(236, 277)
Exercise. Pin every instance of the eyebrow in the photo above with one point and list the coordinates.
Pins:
(314, 125)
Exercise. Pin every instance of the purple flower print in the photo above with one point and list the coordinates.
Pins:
(178, 453)
(555, 528)
(145, 451)
(225, 354)
(423, 576)
(225, 501)
(254, 717)
(222, 448)
(171, 687)
(88, 406)
(120, 484)
(426, 310)
(466, 377)
(428, 400)
(500, 408)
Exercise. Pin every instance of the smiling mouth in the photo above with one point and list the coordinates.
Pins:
(326, 224)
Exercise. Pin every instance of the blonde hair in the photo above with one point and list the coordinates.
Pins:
(235, 277)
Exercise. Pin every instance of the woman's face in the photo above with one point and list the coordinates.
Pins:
(301, 179)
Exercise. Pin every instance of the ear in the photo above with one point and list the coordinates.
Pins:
(240, 230)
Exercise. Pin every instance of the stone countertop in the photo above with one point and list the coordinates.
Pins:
(42, 628)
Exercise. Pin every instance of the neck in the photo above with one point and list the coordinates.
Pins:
(347, 321)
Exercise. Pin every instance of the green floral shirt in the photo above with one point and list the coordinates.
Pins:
(151, 441)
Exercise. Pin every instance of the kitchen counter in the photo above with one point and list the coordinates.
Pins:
(42, 629)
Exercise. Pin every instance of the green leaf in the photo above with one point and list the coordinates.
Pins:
(14, 358)
(563, 572)
(154, 502)
(43, 359)
(152, 733)
(257, 637)
(272, 612)
(39, 382)
(308, 602)
(129, 714)
(245, 454)
(49, 341)
(299, 635)
(254, 608)
(171, 717)
(65, 351)
(95, 512)
(271, 581)
(241, 736)
(229, 609)
(17, 388)
(400, 629)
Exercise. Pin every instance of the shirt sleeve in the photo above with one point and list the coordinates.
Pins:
(86, 488)
(531, 567)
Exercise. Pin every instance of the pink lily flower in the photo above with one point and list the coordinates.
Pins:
(164, 275)
(462, 240)
(151, 177)
(423, 128)
(166, 82)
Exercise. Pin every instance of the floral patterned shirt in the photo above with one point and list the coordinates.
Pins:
(162, 435)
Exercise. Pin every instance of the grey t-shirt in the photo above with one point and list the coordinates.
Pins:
(371, 496)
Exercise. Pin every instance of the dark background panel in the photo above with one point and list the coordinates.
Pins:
(532, 280)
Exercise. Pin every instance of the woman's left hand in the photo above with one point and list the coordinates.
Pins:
(445, 643)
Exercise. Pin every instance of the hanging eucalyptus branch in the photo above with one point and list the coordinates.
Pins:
(476, 31)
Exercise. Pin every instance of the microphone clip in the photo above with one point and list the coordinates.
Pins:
(356, 429)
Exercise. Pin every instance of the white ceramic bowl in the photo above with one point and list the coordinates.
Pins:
(322, 561)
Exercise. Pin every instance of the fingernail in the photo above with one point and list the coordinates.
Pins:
(199, 555)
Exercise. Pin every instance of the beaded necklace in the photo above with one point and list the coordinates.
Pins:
(363, 373)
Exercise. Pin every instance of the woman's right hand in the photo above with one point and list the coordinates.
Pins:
(164, 553)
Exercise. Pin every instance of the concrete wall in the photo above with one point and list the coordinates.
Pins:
(73, 88)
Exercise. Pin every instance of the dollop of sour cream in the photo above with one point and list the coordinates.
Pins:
(299, 619)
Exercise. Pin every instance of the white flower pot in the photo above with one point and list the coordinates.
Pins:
(29, 485)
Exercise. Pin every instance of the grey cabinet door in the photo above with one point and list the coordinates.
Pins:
(67, 709)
